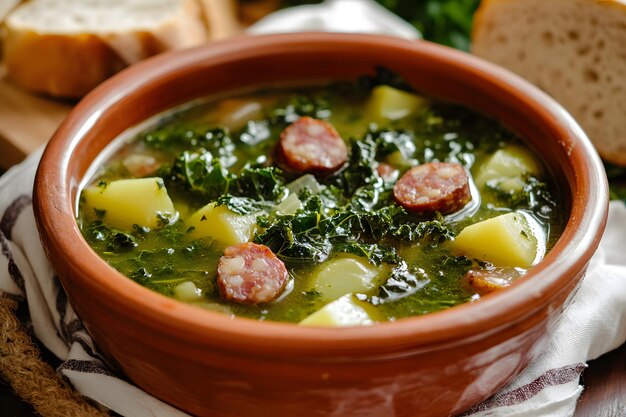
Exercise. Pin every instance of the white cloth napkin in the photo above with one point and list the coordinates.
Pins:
(594, 324)
(347, 16)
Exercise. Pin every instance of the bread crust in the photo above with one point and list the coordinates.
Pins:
(59, 65)
(71, 65)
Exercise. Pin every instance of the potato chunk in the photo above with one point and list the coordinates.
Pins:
(125, 203)
(346, 274)
(346, 311)
(289, 205)
(234, 113)
(508, 168)
(505, 240)
(388, 103)
(187, 291)
(221, 224)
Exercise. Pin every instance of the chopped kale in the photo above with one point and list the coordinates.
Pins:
(260, 183)
(535, 196)
(115, 240)
(373, 252)
(403, 282)
(364, 156)
(177, 137)
(244, 205)
(448, 22)
(383, 76)
(201, 173)
(312, 106)
(205, 176)
(430, 233)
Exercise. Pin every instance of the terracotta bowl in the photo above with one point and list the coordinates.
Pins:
(210, 365)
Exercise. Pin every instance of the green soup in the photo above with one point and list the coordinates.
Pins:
(341, 235)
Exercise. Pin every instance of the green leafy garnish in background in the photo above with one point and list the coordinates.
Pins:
(447, 22)
(617, 181)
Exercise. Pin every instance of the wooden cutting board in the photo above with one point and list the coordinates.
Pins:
(26, 121)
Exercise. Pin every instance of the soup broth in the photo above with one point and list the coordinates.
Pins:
(357, 247)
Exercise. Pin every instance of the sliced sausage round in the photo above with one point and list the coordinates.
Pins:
(311, 145)
(485, 281)
(433, 187)
(386, 172)
(250, 273)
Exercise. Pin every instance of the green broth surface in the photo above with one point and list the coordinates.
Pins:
(242, 131)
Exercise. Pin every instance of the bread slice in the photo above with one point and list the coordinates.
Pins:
(64, 48)
(6, 6)
(575, 50)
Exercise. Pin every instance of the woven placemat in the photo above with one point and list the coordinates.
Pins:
(32, 379)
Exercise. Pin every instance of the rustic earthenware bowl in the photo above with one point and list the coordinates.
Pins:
(210, 365)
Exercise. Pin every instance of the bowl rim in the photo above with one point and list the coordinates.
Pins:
(570, 255)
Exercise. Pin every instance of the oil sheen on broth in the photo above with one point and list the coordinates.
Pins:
(342, 205)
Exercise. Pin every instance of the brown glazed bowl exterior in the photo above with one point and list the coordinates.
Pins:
(210, 365)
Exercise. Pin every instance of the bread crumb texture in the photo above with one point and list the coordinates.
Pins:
(575, 50)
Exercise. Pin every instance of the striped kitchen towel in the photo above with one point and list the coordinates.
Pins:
(595, 323)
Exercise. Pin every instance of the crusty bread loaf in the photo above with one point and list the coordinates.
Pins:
(64, 48)
(6, 6)
(575, 50)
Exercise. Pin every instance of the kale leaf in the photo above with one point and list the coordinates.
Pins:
(364, 156)
(204, 175)
(431, 233)
(261, 183)
(244, 205)
(201, 173)
(312, 106)
(617, 181)
(116, 240)
(315, 232)
(448, 22)
(535, 196)
(177, 137)
(374, 252)
(404, 281)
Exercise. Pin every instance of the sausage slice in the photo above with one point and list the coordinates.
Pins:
(251, 274)
(386, 172)
(311, 145)
(485, 281)
(433, 187)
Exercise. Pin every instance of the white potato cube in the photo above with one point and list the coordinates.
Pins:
(505, 240)
(507, 169)
(124, 203)
(346, 274)
(187, 291)
(346, 311)
(221, 224)
(388, 103)
(289, 205)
